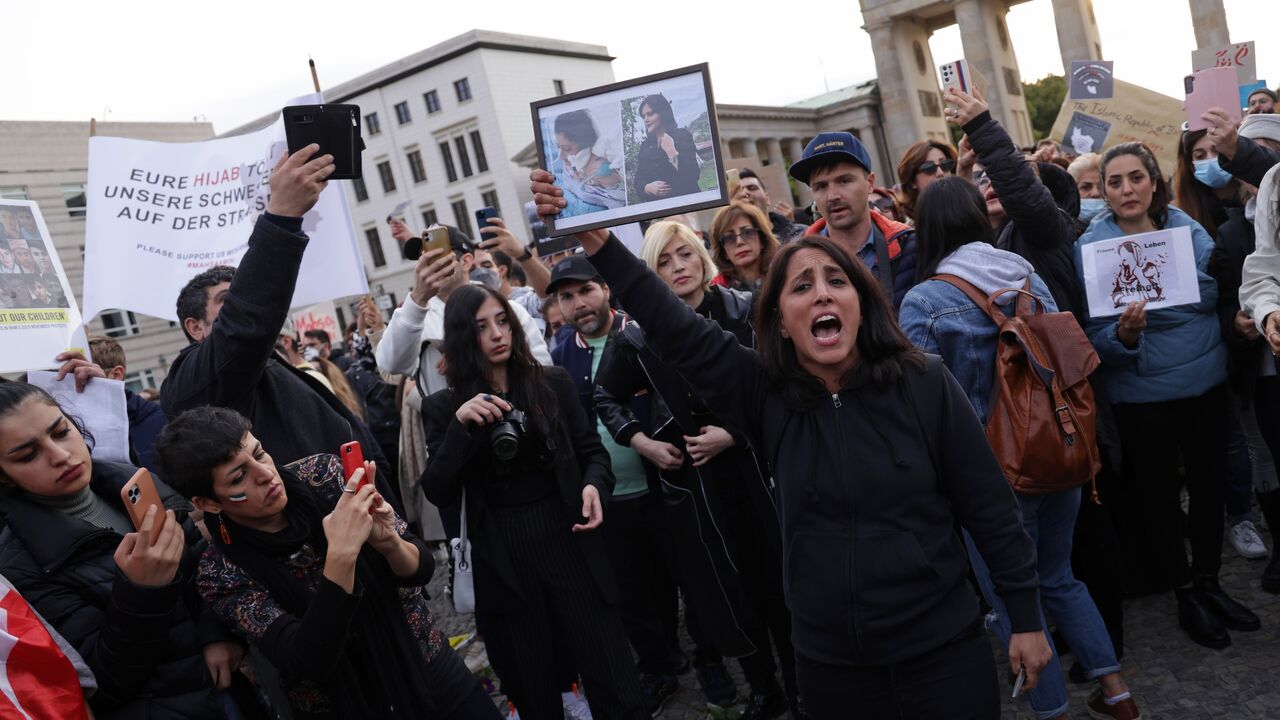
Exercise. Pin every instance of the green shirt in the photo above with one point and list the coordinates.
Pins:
(628, 469)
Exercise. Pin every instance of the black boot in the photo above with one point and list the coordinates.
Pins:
(1231, 613)
(1198, 620)
(1270, 504)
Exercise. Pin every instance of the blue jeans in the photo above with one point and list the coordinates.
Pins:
(1050, 520)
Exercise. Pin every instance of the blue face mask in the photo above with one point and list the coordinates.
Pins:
(1210, 173)
(1090, 207)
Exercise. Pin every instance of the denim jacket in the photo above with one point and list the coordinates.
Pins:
(940, 319)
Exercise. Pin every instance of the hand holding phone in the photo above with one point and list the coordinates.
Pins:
(483, 216)
(1208, 89)
(352, 460)
(1017, 684)
(335, 128)
(138, 495)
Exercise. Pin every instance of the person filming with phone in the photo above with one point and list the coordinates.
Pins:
(123, 597)
(316, 570)
(510, 440)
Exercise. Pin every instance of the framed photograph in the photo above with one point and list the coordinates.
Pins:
(632, 150)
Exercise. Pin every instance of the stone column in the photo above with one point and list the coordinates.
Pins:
(1209, 20)
(772, 151)
(742, 147)
(800, 195)
(1077, 31)
(907, 81)
(989, 51)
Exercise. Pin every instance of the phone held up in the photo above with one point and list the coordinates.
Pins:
(435, 237)
(335, 128)
(956, 75)
(352, 460)
(139, 494)
(483, 216)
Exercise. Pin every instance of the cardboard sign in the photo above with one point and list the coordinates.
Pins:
(1240, 56)
(320, 316)
(1133, 114)
(1091, 80)
(1159, 267)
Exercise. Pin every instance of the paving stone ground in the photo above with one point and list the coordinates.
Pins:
(1172, 677)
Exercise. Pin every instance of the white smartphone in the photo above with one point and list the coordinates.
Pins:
(956, 75)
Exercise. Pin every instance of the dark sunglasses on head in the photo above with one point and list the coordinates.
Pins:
(883, 204)
(930, 167)
(745, 235)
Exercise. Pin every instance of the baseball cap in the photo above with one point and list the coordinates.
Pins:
(574, 267)
(828, 147)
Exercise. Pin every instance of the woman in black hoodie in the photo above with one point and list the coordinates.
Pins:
(877, 456)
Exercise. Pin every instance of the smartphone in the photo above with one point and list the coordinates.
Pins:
(352, 460)
(435, 237)
(1215, 87)
(1017, 684)
(483, 216)
(138, 495)
(956, 75)
(335, 128)
(732, 177)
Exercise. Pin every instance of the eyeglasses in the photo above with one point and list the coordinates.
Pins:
(745, 235)
(931, 167)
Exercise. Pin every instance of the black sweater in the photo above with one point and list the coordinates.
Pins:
(874, 572)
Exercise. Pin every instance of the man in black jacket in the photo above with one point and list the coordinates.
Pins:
(233, 319)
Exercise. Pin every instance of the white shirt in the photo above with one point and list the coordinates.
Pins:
(411, 325)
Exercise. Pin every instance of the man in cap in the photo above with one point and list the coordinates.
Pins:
(837, 169)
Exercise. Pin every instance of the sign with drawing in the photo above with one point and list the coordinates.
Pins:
(1159, 267)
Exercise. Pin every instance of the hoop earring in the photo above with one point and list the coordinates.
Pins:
(223, 534)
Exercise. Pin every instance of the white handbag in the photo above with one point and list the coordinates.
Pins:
(464, 588)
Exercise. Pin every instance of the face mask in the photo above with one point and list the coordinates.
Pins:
(1090, 207)
(1210, 173)
(486, 277)
(310, 354)
(579, 162)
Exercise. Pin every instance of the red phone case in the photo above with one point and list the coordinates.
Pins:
(352, 460)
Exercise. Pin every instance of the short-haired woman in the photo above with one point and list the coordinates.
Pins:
(1086, 170)
(1165, 372)
(742, 244)
(318, 572)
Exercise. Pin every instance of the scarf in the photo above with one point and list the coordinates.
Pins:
(382, 670)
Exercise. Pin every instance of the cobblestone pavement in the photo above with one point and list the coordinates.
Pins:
(1172, 677)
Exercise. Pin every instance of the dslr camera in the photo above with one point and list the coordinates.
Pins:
(505, 435)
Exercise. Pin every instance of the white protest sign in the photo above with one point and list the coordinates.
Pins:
(160, 213)
(320, 316)
(1237, 55)
(1159, 267)
(102, 407)
(38, 313)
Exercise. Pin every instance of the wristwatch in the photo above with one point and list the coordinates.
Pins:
(527, 254)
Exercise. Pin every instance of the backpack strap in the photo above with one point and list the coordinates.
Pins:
(972, 292)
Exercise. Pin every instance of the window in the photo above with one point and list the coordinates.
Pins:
(490, 199)
(559, 86)
(447, 154)
(930, 104)
(482, 163)
(13, 192)
(362, 190)
(429, 217)
(402, 112)
(416, 168)
(74, 195)
(463, 89)
(371, 124)
(120, 323)
(463, 158)
(141, 380)
(375, 247)
(461, 217)
(388, 179)
(1012, 84)
(433, 102)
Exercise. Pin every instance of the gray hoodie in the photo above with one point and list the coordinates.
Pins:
(987, 267)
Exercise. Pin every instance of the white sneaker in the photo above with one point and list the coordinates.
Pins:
(575, 705)
(1246, 540)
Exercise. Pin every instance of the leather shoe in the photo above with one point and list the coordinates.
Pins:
(1231, 613)
(1198, 620)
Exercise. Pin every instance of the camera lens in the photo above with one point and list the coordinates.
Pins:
(505, 441)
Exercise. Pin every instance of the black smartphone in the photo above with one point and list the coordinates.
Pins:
(483, 216)
(335, 128)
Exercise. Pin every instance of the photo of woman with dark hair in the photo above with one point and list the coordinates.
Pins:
(668, 162)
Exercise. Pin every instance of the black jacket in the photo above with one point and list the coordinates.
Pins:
(785, 230)
(1251, 161)
(1234, 243)
(146, 420)
(144, 644)
(458, 456)
(871, 485)
(695, 497)
(652, 165)
(1037, 229)
(236, 367)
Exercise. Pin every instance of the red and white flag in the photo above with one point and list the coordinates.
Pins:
(37, 680)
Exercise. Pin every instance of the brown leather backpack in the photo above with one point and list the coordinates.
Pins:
(1043, 420)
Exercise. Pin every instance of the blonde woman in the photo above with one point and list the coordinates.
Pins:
(708, 478)
(743, 242)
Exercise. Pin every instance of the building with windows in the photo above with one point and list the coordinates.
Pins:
(48, 162)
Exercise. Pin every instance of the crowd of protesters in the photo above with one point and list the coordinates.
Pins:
(792, 438)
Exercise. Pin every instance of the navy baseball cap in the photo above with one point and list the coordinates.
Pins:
(830, 147)
(574, 267)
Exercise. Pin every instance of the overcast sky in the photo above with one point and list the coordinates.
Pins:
(232, 61)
